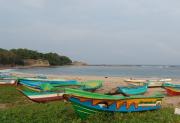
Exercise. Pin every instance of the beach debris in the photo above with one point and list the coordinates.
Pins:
(177, 111)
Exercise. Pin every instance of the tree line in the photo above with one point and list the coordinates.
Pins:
(16, 57)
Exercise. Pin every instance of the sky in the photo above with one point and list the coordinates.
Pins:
(95, 31)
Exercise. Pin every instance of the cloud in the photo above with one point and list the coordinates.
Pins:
(96, 31)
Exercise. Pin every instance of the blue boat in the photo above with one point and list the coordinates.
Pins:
(36, 83)
(46, 85)
(87, 103)
(133, 90)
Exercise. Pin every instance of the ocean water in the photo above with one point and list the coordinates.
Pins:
(156, 71)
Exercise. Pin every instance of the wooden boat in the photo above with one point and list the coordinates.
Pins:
(87, 85)
(7, 81)
(151, 80)
(171, 91)
(150, 84)
(46, 92)
(135, 80)
(41, 96)
(133, 90)
(41, 80)
(171, 85)
(35, 83)
(90, 85)
(86, 103)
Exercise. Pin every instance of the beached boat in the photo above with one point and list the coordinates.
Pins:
(133, 90)
(87, 85)
(41, 80)
(35, 83)
(86, 103)
(151, 80)
(90, 85)
(41, 96)
(171, 91)
(150, 84)
(7, 81)
(171, 85)
(46, 92)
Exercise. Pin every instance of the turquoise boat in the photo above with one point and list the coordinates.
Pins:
(133, 90)
(171, 85)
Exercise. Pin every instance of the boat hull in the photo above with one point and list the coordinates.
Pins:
(37, 83)
(7, 82)
(133, 90)
(172, 91)
(150, 84)
(86, 107)
(44, 97)
(86, 103)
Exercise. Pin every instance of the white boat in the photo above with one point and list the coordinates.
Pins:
(151, 82)
(7, 82)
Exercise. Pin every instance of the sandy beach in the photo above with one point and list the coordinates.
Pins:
(110, 83)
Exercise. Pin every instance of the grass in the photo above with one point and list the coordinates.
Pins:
(20, 110)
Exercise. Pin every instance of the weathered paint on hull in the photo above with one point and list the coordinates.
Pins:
(42, 97)
(48, 99)
(172, 92)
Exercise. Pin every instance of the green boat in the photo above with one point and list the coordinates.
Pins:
(87, 103)
(47, 92)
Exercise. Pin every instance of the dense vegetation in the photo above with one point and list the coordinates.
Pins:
(17, 56)
(18, 109)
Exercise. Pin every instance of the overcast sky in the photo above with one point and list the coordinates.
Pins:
(95, 31)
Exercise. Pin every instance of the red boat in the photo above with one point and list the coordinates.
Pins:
(172, 91)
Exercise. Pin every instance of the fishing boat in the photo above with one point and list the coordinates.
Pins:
(133, 90)
(87, 103)
(41, 96)
(47, 92)
(171, 85)
(7, 81)
(35, 83)
(151, 80)
(172, 91)
(42, 79)
(151, 83)
(90, 85)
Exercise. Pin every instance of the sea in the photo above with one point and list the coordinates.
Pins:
(138, 71)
